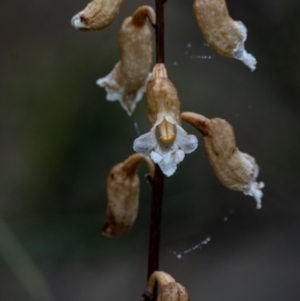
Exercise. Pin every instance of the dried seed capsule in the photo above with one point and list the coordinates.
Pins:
(224, 36)
(128, 80)
(97, 15)
(166, 142)
(170, 290)
(123, 187)
(235, 170)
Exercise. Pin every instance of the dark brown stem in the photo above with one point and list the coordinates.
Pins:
(154, 238)
(160, 31)
(158, 180)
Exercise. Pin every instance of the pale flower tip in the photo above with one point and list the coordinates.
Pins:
(167, 163)
(168, 170)
(115, 92)
(100, 82)
(248, 59)
(240, 53)
(77, 23)
(254, 190)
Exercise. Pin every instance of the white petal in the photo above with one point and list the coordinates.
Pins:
(188, 143)
(168, 164)
(166, 155)
(254, 190)
(242, 29)
(240, 53)
(115, 91)
(179, 156)
(111, 86)
(156, 157)
(76, 22)
(145, 143)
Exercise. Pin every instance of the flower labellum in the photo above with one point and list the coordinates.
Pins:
(123, 187)
(170, 290)
(235, 170)
(224, 36)
(128, 80)
(166, 142)
(97, 15)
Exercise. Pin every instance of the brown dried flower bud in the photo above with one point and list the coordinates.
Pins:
(166, 142)
(128, 80)
(123, 187)
(162, 97)
(97, 15)
(224, 36)
(236, 170)
(170, 290)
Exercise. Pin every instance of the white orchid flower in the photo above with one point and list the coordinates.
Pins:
(166, 142)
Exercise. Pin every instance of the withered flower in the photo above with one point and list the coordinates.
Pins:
(123, 186)
(97, 15)
(236, 170)
(170, 290)
(128, 80)
(166, 142)
(224, 36)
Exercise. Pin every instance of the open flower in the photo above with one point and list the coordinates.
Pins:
(235, 170)
(128, 80)
(166, 142)
(97, 15)
(224, 36)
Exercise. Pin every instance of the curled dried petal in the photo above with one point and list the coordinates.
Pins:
(123, 187)
(97, 15)
(224, 36)
(235, 170)
(170, 290)
(128, 80)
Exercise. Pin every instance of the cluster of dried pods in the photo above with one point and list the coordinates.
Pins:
(167, 142)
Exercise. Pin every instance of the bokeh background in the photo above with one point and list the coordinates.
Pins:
(59, 138)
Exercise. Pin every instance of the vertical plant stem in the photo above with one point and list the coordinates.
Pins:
(160, 31)
(158, 180)
(154, 238)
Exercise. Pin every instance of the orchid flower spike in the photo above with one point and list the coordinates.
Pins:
(123, 187)
(166, 142)
(170, 290)
(128, 80)
(235, 170)
(97, 15)
(224, 36)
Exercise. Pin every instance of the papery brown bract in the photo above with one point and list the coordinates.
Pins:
(162, 97)
(97, 15)
(224, 36)
(123, 187)
(170, 290)
(128, 80)
(235, 170)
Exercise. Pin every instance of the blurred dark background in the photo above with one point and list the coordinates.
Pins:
(59, 138)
